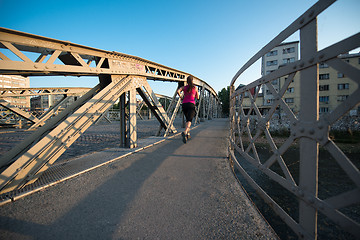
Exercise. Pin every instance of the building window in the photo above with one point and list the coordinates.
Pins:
(289, 100)
(271, 63)
(270, 101)
(288, 60)
(288, 50)
(272, 53)
(323, 110)
(324, 76)
(290, 90)
(324, 88)
(267, 72)
(341, 98)
(343, 86)
(359, 60)
(323, 65)
(324, 99)
(340, 75)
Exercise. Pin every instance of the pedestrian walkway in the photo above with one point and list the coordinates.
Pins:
(171, 190)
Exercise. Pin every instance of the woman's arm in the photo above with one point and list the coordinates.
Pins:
(180, 89)
(197, 93)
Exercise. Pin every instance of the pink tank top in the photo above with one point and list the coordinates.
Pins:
(189, 97)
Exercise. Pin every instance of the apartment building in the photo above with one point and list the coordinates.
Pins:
(283, 54)
(334, 88)
(44, 102)
(14, 81)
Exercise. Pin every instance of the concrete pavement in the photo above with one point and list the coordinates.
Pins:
(169, 191)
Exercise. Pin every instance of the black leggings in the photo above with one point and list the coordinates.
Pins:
(189, 111)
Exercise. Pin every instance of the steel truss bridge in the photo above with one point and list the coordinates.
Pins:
(308, 128)
(121, 77)
(6, 93)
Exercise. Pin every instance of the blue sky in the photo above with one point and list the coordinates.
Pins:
(210, 39)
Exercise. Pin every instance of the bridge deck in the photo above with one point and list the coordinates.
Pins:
(169, 191)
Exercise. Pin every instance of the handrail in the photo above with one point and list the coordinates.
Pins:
(307, 127)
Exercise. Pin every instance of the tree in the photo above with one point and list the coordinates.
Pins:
(224, 95)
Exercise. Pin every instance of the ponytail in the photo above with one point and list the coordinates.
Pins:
(190, 83)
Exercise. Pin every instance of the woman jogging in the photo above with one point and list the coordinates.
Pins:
(188, 105)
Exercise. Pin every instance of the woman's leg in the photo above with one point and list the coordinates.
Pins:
(187, 127)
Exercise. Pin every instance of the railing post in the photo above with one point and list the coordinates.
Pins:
(309, 102)
(232, 122)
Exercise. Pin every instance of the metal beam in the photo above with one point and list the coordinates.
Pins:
(23, 92)
(309, 112)
(67, 58)
(18, 111)
(26, 168)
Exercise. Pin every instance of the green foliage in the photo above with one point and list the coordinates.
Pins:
(224, 95)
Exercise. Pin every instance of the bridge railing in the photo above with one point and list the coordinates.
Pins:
(307, 128)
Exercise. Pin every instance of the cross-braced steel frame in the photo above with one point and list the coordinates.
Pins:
(121, 77)
(307, 128)
(6, 93)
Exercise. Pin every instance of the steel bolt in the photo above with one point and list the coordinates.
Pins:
(312, 131)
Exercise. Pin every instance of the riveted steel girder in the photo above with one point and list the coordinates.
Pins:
(56, 57)
(18, 111)
(23, 92)
(27, 167)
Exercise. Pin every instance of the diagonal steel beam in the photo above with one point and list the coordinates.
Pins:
(18, 111)
(26, 168)
(157, 105)
(49, 113)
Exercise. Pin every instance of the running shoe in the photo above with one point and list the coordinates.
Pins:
(183, 137)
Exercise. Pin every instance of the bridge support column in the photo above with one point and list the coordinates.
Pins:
(309, 113)
(132, 119)
(122, 107)
(128, 135)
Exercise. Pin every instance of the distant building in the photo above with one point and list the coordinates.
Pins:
(334, 86)
(281, 55)
(44, 102)
(14, 81)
